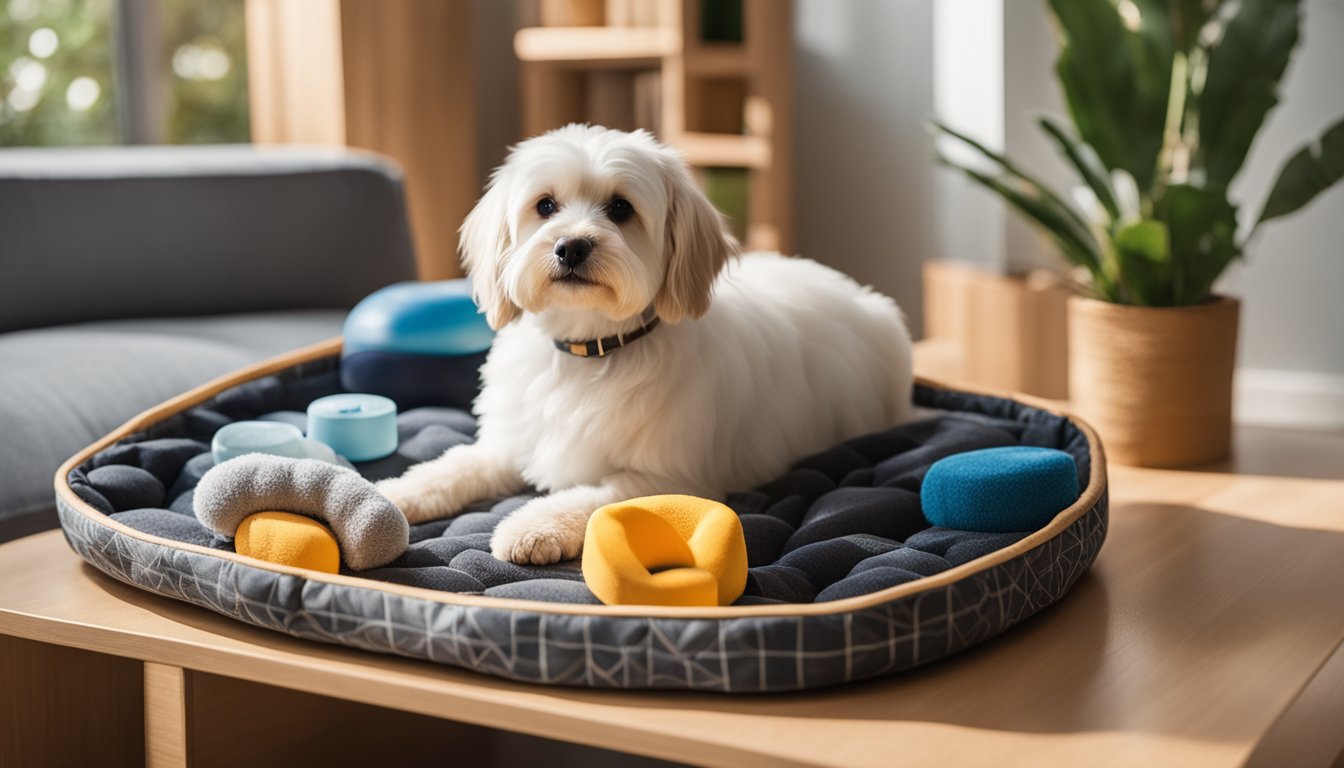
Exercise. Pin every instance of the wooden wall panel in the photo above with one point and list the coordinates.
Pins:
(391, 76)
(294, 71)
(409, 94)
(1004, 332)
(553, 97)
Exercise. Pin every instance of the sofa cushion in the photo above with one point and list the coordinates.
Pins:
(104, 233)
(63, 388)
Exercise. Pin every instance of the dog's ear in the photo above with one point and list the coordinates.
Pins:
(485, 243)
(698, 245)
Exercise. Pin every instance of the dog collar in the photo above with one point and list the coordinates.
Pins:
(607, 344)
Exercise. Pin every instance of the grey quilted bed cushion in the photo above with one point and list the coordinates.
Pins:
(844, 522)
(63, 388)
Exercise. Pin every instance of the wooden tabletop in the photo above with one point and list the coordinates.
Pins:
(1208, 633)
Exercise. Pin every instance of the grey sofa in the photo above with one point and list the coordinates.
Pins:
(130, 275)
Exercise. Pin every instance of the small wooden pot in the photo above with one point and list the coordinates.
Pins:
(1155, 382)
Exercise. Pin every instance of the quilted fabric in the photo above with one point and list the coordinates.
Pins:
(844, 522)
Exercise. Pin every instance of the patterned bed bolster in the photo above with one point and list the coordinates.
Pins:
(738, 655)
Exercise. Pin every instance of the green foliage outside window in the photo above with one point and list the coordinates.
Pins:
(205, 53)
(58, 72)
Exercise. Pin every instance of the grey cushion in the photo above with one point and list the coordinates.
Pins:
(100, 234)
(63, 388)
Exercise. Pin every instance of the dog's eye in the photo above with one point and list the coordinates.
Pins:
(546, 207)
(620, 210)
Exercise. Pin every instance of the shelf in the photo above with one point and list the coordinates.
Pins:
(724, 150)
(723, 102)
(611, 47)
(717, 60)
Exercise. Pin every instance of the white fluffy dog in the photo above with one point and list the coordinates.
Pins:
(597, 242)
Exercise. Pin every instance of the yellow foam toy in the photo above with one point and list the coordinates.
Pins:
(665, 550)
(288, 539)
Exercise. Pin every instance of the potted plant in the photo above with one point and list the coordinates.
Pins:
(1165, 97)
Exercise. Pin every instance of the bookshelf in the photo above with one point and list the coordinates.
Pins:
(712, 78)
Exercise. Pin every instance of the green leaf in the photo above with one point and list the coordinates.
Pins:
(1085, 161)
(1039, 189)
(1039, 204)
(1181, 20)
(1147, 239)
(1307, 174)
(1142, 281)
(1078, 247)
(1202, 227)
(1189, 17)
(1142, 252)
(1241, 84)
(1116, 82)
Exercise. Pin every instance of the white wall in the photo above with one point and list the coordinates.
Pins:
(1293, 275)
(968, 94)
(863, 184)
(1029, 91)
(996, 101)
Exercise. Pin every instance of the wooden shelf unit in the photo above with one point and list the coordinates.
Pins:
(615, 47)
(644, 64)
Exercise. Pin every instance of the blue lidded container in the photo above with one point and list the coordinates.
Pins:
(416, 343)
(360, 427)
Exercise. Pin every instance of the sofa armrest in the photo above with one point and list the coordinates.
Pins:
(109, 233)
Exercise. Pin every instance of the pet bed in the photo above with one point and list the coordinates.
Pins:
(847, 580)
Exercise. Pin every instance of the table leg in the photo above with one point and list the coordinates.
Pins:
(167, 716)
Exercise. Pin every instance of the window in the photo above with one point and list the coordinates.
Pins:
(128, 71)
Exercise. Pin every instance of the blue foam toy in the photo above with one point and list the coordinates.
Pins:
(999, 490)
(435, 318)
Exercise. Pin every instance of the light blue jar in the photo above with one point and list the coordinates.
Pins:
(273, 437)
(359, 427)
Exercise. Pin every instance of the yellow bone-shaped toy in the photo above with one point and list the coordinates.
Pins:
(665, 550)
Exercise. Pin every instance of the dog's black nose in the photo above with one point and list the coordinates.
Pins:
(572, 251)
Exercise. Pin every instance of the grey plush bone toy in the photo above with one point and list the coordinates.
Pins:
(369, 529)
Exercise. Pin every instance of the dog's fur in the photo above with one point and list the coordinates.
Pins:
(789, 358)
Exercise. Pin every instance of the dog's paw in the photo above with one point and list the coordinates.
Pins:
(418, 500)
(536, 537)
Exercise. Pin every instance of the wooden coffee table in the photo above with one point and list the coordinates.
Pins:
(1208, 633)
